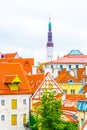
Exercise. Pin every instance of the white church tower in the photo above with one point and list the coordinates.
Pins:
(50, 44)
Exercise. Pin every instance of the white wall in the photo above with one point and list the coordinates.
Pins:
(7, 111)
(49, 54)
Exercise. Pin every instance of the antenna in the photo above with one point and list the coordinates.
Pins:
(49, 17)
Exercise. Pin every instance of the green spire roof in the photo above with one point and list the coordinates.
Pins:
(75, 52)
(49, 25)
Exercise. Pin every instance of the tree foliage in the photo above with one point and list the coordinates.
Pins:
(50, 111)
(32, 123)
(66, 125)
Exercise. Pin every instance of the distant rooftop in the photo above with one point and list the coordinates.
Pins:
(75, 52)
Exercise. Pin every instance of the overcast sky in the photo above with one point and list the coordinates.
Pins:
(24, 27)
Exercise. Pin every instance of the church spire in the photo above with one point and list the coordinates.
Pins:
(49, 25)
(49, 43)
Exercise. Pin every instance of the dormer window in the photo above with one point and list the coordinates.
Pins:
(12, 82)
(26, 63)
(70, 81)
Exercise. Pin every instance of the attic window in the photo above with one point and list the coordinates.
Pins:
(13, 86)
(12, 81)
(70, 81)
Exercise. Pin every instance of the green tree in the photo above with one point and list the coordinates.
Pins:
(69, 125)
(32, 123)
(50, 111)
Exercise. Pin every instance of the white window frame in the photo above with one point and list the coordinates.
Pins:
(2, 102)
(2, 117)
(24, 101)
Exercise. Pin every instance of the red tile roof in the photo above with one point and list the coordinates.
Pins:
(75, 97)
(64, 76)
(27, 63)
(80, 73)
(35, 80)
(72, 108)
(13, 69)
(9, 78)
(85, 87)
(71, 101)
(71, 59)
(9, 55)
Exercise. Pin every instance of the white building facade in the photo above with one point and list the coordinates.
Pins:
(14, 111)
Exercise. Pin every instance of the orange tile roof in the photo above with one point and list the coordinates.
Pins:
(13, 69)
(72, 108)
(85, 87)
(71, 101)
(75, 97)
(59, 96)
(9, 55)
(37, 104)
(35, 80)
(9, 78)
(61, 75)
(27, 63)
(64, 76)
(80, 73)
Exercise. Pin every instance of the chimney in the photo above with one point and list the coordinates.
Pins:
(57, 57)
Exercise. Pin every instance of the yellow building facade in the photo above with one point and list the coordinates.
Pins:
(71, 88)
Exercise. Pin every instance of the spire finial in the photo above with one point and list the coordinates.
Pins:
(49, 17)
(49, 25)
